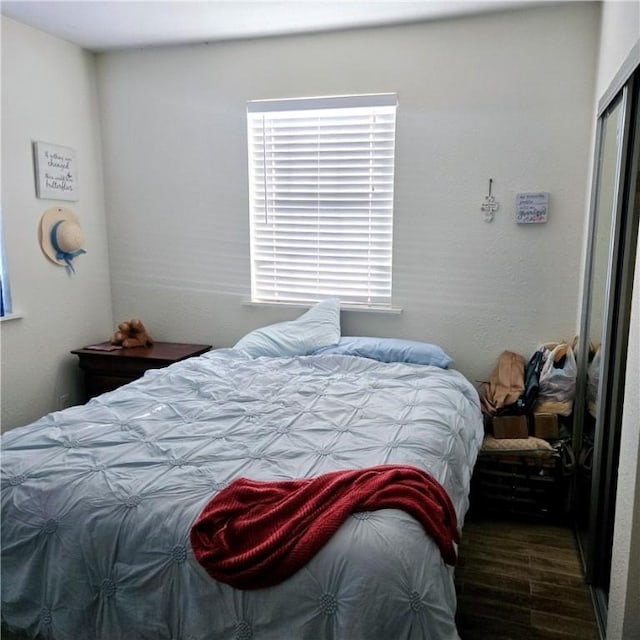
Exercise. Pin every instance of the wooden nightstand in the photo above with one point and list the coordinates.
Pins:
(108, 370)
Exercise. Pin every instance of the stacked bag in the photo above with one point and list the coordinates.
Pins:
(523, 398)
(557, 379)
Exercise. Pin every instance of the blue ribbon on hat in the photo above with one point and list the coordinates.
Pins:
(67, 256)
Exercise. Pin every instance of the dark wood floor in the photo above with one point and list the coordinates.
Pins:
(521, 581)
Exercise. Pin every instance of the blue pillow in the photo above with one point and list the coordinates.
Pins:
(390, 350)
(318, 327)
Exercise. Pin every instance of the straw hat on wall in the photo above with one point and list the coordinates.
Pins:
(61, 237)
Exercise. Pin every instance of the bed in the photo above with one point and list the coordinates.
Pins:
(98, 500)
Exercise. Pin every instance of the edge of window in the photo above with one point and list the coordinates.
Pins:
(11, 316)
(304, 305)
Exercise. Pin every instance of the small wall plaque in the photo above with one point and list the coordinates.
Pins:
(56, 172)
(532, 208)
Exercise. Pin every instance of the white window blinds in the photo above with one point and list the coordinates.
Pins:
(321, 198)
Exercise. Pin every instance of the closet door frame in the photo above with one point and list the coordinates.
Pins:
(617, 311)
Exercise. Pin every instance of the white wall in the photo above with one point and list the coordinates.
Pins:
(620, 31)
(49, 94)
(507, 96)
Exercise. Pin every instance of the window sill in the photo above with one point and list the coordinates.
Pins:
(343, 307)
(10, 316)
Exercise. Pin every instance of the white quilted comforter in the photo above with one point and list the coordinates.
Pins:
(98, 501)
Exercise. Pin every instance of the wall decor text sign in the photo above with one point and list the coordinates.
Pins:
(56, 172)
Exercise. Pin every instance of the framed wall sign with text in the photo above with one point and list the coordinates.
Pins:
(532, 208)
(56, 172)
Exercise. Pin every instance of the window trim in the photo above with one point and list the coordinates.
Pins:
(285, 304)
(6, 306)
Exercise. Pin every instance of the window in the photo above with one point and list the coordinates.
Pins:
(5, 291)
(321, 198)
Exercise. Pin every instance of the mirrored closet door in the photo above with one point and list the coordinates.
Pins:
(602, 351)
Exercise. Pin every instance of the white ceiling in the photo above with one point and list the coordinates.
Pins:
(100, 25)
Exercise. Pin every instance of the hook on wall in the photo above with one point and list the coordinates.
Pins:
(490, 205)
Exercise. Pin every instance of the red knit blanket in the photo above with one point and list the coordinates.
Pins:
(256, 534)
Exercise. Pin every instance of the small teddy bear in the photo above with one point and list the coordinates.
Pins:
(132, 334)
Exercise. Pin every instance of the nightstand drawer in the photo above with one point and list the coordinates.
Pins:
(97, 384)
